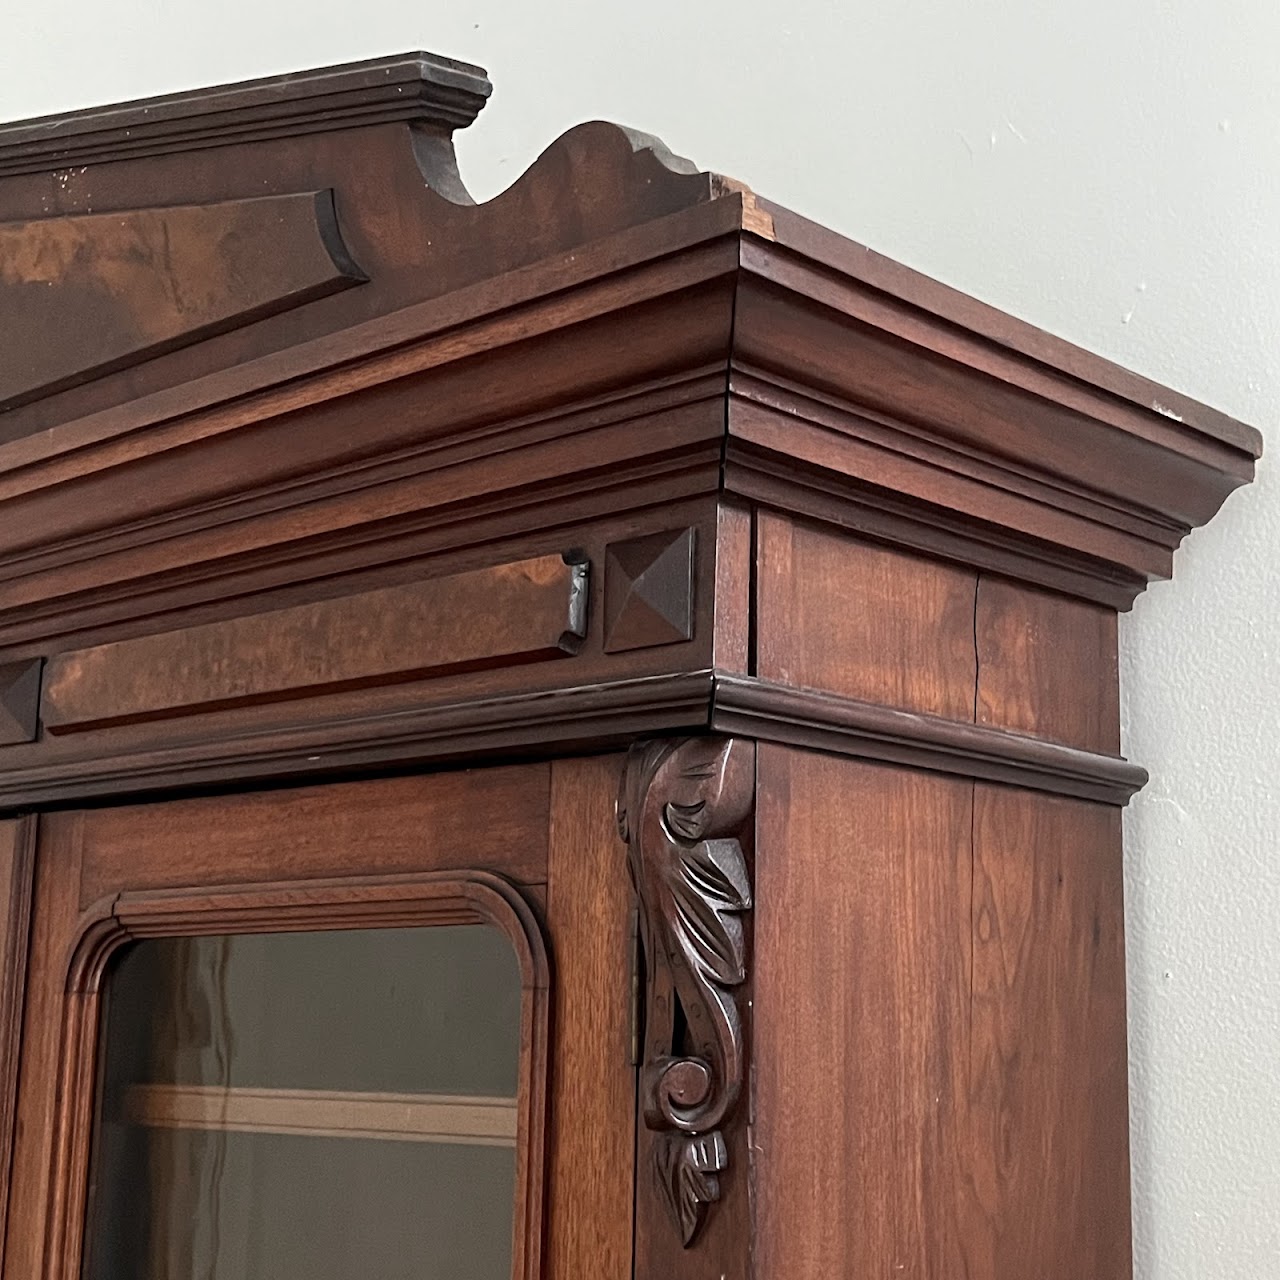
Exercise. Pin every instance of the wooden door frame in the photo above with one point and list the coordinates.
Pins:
(358, 902)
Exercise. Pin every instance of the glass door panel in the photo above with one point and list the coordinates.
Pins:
(308, 1106)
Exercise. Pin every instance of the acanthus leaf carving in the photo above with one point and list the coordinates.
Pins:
(681, 806)
(688, 1169)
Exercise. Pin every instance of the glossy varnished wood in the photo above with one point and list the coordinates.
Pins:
(264, 549)
(868, 731)
(939, 1034)
(427, 872)
(1046, 1067)
(434, 93)
(863, 880)
(434, 898)
(857, 619)
(430, 822)
(525, 611)
(590, 908)
(55, 915)
(133, 285)
(17, 867)
(19, 700)
(1047, 665)
(685, 810)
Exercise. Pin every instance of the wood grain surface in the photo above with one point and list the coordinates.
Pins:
(861, 1018)
(520, 612)
(590, 906)
(1047, 1071)
(17, 869)
(1048, 665)
(88, 294)
(409, 824)
(939, 1014)
(854, 618)
(54, 918)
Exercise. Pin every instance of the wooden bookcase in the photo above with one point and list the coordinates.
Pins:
(723, 612)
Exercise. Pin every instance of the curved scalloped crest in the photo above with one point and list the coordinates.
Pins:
(592, 181)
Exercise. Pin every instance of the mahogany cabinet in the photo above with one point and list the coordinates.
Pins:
(568, 737)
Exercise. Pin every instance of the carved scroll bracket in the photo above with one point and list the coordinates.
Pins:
(683, 805)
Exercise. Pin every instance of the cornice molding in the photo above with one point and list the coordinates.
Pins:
(1054, 481)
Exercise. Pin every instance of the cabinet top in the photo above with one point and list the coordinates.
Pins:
(309, 463)
(195, 275)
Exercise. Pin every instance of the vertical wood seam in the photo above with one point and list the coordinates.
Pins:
(977, 650)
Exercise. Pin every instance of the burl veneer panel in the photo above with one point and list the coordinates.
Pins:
(854, 618)
(86, 294)
(1047, 665)
(519, 612)
(939, 1036)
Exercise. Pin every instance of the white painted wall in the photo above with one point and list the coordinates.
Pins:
(1108, 169)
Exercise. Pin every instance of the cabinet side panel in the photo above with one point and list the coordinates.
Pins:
(863, 877)
(850, 617)
(593, 1080)
(939, 1028)
(1048, 1076)
(17, 858)
(1047, 665)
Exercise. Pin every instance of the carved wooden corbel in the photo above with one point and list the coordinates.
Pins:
(682, 806)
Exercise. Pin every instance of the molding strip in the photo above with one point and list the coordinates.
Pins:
(589, 717)
(543, 722)
(828, 722)
(420, 87)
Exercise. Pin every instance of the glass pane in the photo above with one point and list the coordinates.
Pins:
(308, 1106)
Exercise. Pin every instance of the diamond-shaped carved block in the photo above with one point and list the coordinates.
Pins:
(648, 591)
(19, 701)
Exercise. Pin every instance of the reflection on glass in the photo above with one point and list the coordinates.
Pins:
(308, 1106)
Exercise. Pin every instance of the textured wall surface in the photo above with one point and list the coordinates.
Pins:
(1108, 169)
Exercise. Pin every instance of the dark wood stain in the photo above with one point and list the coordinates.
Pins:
(351, 604)
(537, 610)
(1048, 666)
(86, 295)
